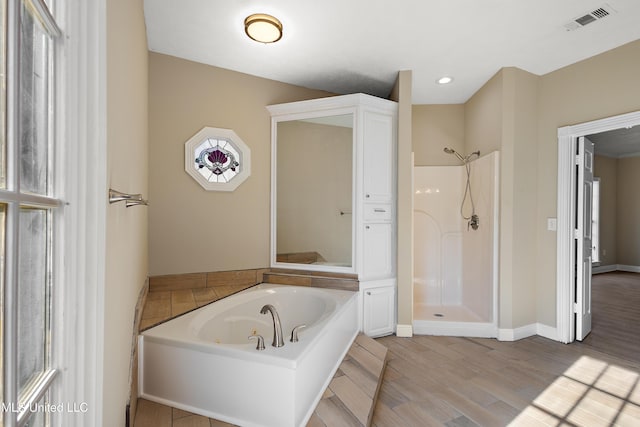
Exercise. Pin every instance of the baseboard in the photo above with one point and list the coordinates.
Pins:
(616, 267)
(550, 332)
(454, 329)
(517, 333)
(404, 331)
(604, 269)
(528, 331)
(629, 268)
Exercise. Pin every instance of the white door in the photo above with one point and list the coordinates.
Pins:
(583, 238)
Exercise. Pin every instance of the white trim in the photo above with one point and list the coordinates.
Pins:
(565, 262)
(604, 269)
(629, 268)
(455, 329)
(528, 331)
(82, 111)
(517, 333)
(545, 331)
(404, 331)
(616, 267)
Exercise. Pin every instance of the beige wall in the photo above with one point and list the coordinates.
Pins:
(502, 116)
(435, 127)
(602, 86)
(619, 210)
(519, 114)
(515, 112)
(628, 211)
(518, 199)
(404, 262)
(606, 168)
(191, 229)
(126, 234)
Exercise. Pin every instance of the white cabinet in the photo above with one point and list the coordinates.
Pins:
(378, 256)
(378, 156)
(370, 124)
(378, 224)
(379, 310)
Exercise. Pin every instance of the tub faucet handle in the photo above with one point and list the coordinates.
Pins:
(294, 332)
(260, 345)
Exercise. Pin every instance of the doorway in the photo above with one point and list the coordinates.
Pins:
(567, 288)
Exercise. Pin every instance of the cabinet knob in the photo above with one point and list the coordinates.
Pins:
(367, 196)
(367, 227)
(368, 292)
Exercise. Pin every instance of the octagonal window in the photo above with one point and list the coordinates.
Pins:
(217, 159)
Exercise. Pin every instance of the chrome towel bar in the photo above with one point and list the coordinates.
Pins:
(129, 199)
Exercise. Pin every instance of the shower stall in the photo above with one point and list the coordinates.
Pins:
(455, 234)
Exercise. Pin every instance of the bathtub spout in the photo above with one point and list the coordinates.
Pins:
(278, 341)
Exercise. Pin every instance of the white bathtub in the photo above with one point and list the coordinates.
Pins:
(203, 362)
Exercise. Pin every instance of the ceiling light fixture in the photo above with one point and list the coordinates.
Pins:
(444, 80)
(263, 28)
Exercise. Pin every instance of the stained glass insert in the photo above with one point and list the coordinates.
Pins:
(217, 160)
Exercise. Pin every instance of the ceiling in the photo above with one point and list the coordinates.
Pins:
(618, 143)
(348, 46)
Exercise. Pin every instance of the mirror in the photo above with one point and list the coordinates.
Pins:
(313, 192)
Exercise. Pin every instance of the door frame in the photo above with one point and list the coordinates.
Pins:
(566, 212)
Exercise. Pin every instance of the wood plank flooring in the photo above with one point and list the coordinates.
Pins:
(616, 314)
(436, 381)
(461, 382)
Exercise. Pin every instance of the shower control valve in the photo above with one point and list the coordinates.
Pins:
(474, 222)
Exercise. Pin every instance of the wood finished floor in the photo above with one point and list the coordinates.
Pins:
(462, 382)
(436, 381)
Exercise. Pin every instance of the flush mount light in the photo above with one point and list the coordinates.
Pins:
(263, 28)
(444, 80)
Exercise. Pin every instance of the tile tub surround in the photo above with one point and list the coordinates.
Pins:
(173, 295)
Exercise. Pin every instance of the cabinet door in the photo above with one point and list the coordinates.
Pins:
(379, 311)
(378, 157)
(378, 253)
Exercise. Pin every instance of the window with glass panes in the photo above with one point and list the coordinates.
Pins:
(28, 210)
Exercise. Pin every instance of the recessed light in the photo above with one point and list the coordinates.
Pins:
(444, 80)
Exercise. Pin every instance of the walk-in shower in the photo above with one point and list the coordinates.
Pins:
(473, 221)
(455, 264)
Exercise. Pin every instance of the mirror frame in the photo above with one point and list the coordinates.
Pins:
(307, 110)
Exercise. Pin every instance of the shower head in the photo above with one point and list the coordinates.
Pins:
(452, 151)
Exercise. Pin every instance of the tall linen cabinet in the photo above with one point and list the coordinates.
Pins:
(374, 144)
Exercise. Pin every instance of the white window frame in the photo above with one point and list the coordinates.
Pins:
(80, 106)
(14, 200)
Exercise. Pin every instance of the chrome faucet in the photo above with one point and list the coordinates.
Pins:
(277, 327)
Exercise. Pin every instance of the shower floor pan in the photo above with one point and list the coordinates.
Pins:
(454, 320)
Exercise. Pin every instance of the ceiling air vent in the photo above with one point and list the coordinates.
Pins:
(590, 17)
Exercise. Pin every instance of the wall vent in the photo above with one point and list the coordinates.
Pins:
(588, 18)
